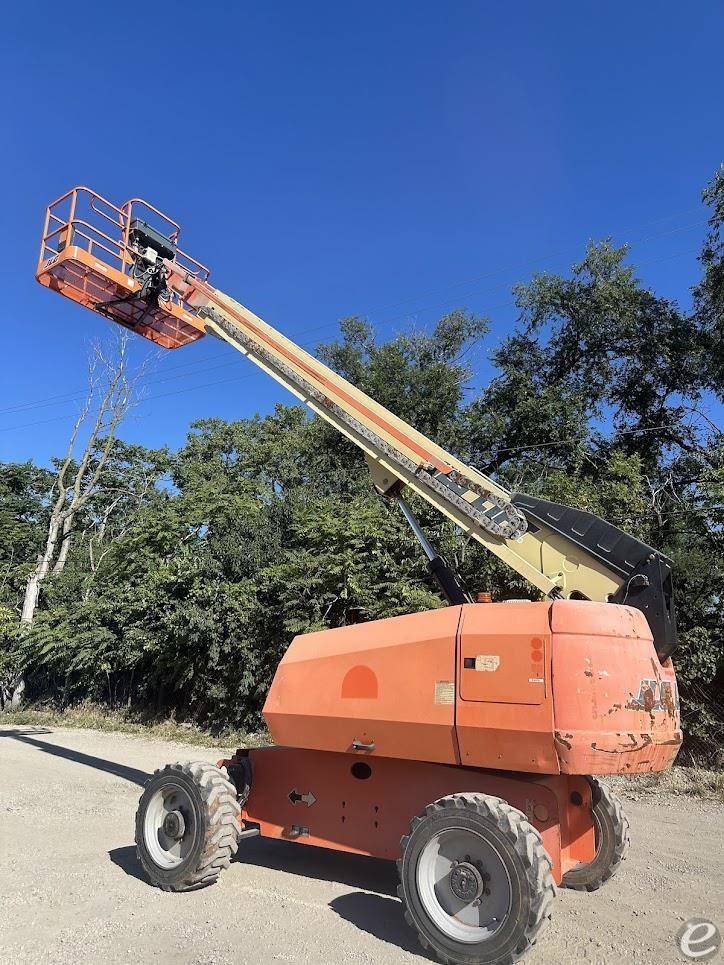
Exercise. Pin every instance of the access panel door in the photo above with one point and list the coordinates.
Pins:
(504, 653)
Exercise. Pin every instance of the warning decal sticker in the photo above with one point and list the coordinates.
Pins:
(444, 692)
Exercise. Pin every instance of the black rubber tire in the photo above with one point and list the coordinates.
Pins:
(217, 824)
(612, 841)
(526, 862)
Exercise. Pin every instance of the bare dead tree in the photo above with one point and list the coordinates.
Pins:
(111, 392)
(105, 530)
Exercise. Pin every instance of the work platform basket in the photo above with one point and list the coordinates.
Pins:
(89, 252)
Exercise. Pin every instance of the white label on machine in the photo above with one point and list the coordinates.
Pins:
(445, 692)
(487, 661)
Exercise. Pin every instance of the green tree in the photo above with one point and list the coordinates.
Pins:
(709, 293)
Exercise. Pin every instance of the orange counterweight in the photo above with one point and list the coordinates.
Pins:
(562, 686)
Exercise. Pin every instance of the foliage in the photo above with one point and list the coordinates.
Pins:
(192, 571)
(23, 520)
(132, 720)
(709, 293)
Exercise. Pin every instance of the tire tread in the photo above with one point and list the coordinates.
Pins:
(528, 845)
(610, 803)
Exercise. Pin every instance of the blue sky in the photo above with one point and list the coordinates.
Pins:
(394, 160)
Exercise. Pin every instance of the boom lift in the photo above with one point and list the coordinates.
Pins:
(459, 742)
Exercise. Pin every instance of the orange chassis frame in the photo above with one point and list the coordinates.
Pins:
(364, 805)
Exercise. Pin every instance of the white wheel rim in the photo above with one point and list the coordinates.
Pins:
(169, 850)
(477, 915)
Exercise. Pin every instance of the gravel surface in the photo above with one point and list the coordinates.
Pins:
(71, 890)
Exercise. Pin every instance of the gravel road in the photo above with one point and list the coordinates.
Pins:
(71, 890)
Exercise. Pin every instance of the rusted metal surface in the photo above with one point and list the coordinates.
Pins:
(603, 725)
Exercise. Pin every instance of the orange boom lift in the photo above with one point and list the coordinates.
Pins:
(459, 742)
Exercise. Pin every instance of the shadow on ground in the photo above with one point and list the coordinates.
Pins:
(125, 859)
(131, 774)
(375, 910)
(371, 874)
(23, 731)
(379, 916)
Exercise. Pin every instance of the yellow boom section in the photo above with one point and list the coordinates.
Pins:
(399, 454)
(125, 263)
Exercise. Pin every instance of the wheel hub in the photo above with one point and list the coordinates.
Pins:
(174, 825)
(466, 882)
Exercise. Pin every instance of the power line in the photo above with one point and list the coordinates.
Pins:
(529, 263)
(79, 394)
(575, 439)
(67, 398)
(193, 388)
(438, 306)
(205, 367)
(151, 398)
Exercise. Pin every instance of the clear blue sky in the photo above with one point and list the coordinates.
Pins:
(388, 159)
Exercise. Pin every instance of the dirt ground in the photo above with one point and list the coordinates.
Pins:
(71, 889)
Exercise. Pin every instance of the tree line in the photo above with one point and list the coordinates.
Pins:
(172, 582)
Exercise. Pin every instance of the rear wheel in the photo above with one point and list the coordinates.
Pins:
(611, 828)
(476, 881)
(187, 825)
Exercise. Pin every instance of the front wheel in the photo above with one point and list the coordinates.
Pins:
(476, 881)
(187, 826)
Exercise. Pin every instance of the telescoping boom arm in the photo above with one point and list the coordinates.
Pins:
(125, 263)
